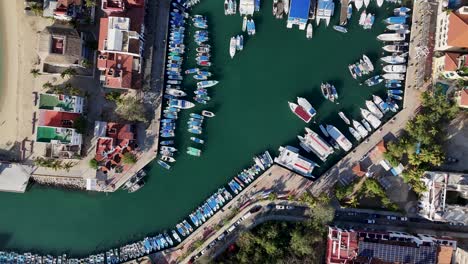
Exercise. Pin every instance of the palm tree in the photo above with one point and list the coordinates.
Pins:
(35, 72)
(69, 72)
(68, 165)
(47, 85)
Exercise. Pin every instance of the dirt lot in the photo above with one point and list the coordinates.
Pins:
(457, 143)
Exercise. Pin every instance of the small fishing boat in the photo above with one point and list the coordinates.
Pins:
(244, 24)
(373, 80)
(395, 91)
(197, 116)
(197, 140)
(324, 131)
(366, 3)
(239, 42)
(340, 29)
(380, 103)
(164, 164)
(168, 159)
(401, 10)
(394, 96)
(194, 131)
(300, 112)
(194, 151)
(251, 30)
(175, 92)
(286, 6)
(373, 120)
(393, 59)
(232, 47)
(333, 93)
(393, 106)
(400, 68)
(199, 77)
(306, 105)
(362, 18)
(358, 4)
(380, 3)
(366, 125)
(351, 70)
(355, 134)
(349, 12)
(343, 116)
(396, 20)
(275, 7)
(394, 76)
(208, 113)
(167, 148)
(391, 37)
(182, 104)
(206, 84)
(393, 85)
(166, 142)
(396, 27)
(309, 31)
(368, 62)
(325, 90)
(394, 48)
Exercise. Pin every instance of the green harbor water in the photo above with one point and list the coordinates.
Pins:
(252, 115)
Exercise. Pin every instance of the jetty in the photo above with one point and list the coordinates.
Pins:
(344, 12)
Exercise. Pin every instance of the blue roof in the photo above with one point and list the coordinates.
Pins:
(299, 9)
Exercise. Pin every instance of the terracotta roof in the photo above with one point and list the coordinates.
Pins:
(381, 146)
(104, 23)
(56, 118)
(464, 98)
(444, 255)
(451, 61)
(357, 169)
(458, 30)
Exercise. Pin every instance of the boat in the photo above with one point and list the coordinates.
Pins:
(373, 80)
(194, 151)
(197, 116)
(324, 131)
(349, 12)
(393, 85)
(176, 236)
(380, 103)
(394, 48)
(391, 37)
(200, 77)
(309, 31)
(400, 68)
(380, 3)
(232, 47)
(392, 105)
(343, 116)
(401, 10)
(286, 6)
(340, 29)
(206, 84)
(194, 130)
(360, 129)
(374, 109)
(175, 92)
(366, 125)
(373, 120)
(207, 113)
(396, 20)
(351, 70)
(251, 27)
(313, 142)
(275, 7)
(333, 93)
(325, 90)
(394, 76)
(395, 91)
(307, 106)
(358, 4)
(366, 3)
(396, 27)
(164, 164)
(197, 140)
(167, 159)
(244, 24)
(342, 141)
(354, 133)
(393, 59)
(166, 142)
(182, 104)
(362, 18)
(289, 158)
(368, 62)
(394, 96)
(167, 148)
(300, 112)
(202, 50)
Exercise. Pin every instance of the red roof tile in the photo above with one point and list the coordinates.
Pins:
(357, 169)
(451, 61)
(464, 98)
(56, 118)
(102, 32)
(458, 30)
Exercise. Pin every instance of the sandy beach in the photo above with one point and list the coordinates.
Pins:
(19, 42)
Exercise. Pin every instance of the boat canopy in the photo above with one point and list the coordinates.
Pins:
(299, 12)
(246, 7)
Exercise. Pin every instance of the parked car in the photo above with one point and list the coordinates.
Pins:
(391, 217)
(370, 221)
(289, 207)
(404, 218)
(279, 207)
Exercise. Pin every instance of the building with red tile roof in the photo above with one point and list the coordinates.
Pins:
(463, 101)
(116, 7)
(452, 30)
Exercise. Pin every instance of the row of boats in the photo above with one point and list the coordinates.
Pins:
(248, 24)
(366, 20)
(236, 44)
(230, 7)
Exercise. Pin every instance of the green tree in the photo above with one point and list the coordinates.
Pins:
(129, 158)
(93, 164)
(80, 124)
(68, 165)
(37, 9)
(35, 73)
(300, 244)
(90, 3)
(47, 85)
(272, 196)
(67, 73)
(113, 96)
(131, 109)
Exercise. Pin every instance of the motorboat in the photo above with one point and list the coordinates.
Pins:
(349, 12)
(342, 141)
(194, 131)
(396, 20)
(374, 109)
(182, 104)
(400, 68)
(196, 116)
(240, 42)
(380, 103)
(366, 125)
(360, 129)
(396, 27)
(355, 134)
(166, 142)
(251, 27)
(373, 120)
(394, 48)
(351, 70)
(175, 92)
(391, 37)
(167, 148)
(393, 106)
(197, 140)
(244, 24)
(286, 6)
(394, 96)
(206, 84)
(395, 91)
(226, 7)
(394, 76)
(194, 151)
(168, 159)
(366, 3)
(324, 130)
(300, 112)
(345, 119)
(232, 47)
(309, 31)
(380, 3)
(275, 7)
(164, 164)
(358, 4)
(393, 59)
(393, 85)
(362, 18)
(325, 90)
(368, 62)
(208, 113)
(373, 80)
(340, 29)
(307, 106)
(401, 10)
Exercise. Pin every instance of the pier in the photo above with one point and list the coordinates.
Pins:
(344, 12)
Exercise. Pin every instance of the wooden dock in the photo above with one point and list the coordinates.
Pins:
(344, 12)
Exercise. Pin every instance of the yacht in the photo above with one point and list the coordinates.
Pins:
(400, 68)
(342, 141)
(374, 109)
(300, 112)
(307, 106)
(355, 134)
(313, 142)
(360, 129)
(373, 120)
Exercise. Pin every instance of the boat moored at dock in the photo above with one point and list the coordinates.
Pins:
(289, 157)
(313, 142)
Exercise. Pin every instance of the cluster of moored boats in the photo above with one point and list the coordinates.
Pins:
(329, 92)
(236, 44)
(363, 67)
(366, 20)
(230, 7)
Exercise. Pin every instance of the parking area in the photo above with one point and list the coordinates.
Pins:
(456, 145)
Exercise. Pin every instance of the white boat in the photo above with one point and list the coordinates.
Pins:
(167, 158)
(244, 24)
(373, 120)
(300, 112)
(380, 3)
(340, 29)
(393, 59)
(289, 157)
(275, 7)
(370, 66)
(306, 105)
(206, 84)
(226, 7)
(366, 125)
(313, 142)
(232, 47)
(396, 27)
(394, 76)
(400, 68)
(286, 6)
(358, 4)
(362, 18)
(207, 113)
(374, 109)
(403, 31)
(342, 141)
(391, 37)
(309, 31)
(182, 104)
(355, 134)
(380, 103)
(366, 3)
(360, 129)
(394, 48)
(343, 116)
(175, 92)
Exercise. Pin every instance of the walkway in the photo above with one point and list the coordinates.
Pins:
(413, 88)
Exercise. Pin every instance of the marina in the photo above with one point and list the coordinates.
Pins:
(230, 102)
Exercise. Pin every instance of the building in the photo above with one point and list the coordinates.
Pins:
(298, 13)
(434, 203)
(61, 102)
(113, 141)
(60, 47)
(62, 9)
(462, 98)
(14, 177)
(364, 246)
(246, 7)
(452, 30)
(289, 158)
(120, 45)
(116, 7)
(451, 65)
